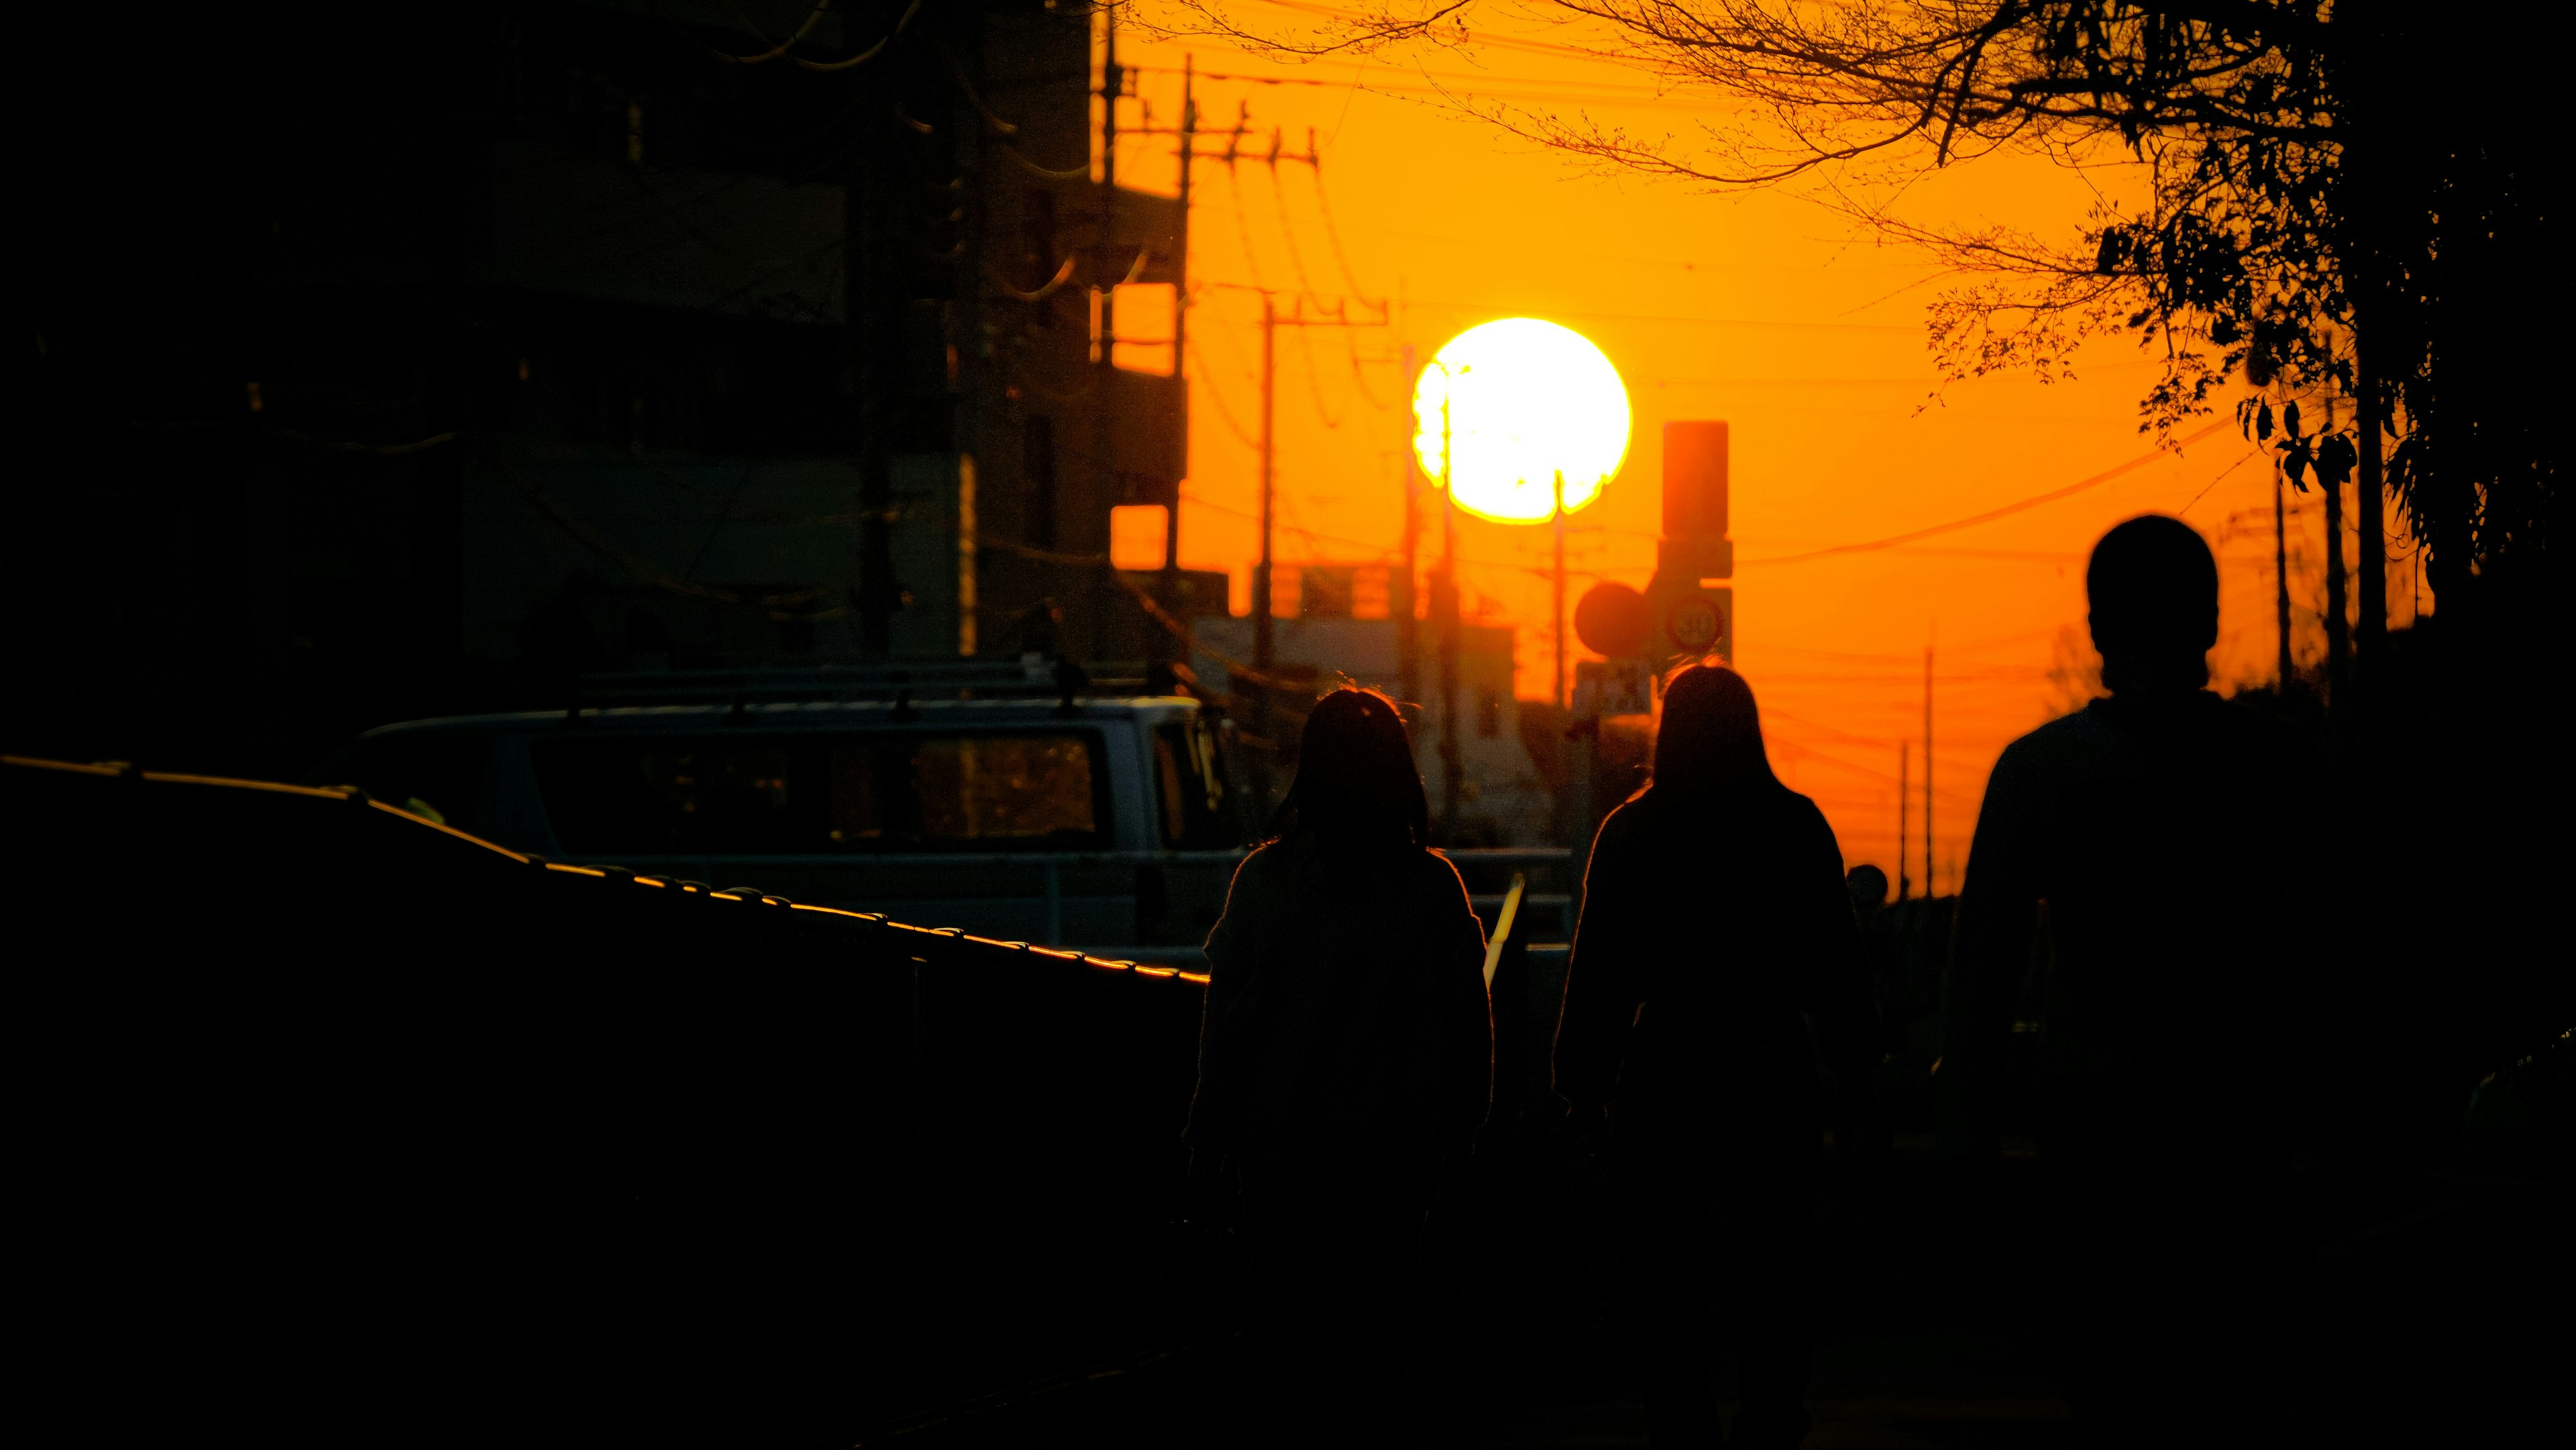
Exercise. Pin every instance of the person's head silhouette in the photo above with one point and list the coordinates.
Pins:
(2153, 585)
(1356, 785)
(1868, 886)
(1710, 739)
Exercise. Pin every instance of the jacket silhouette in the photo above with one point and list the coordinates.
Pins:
(2145, 855)
(1347, 1050)
(1715, 963)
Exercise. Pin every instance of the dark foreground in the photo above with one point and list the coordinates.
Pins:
(334, 1118)
(2414, 1313)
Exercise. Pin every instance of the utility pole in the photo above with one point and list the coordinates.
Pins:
(2281, 576)
(1556, 605)
(1261, 622)
(1104, 283)
(1408, 633)
(1931, 886)
(1271, 322)
(1904, 835)
(2338, 631)
(1180, 326)
(2370, 505)
(1444, 611)
(1186, 134)
(1104, 265)
(872, 192)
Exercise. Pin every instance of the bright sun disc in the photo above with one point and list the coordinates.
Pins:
(1526, 399)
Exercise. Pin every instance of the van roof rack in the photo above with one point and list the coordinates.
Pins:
(1030, 676)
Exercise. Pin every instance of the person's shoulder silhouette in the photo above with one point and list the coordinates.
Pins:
(2161, 829)
(2141, 863)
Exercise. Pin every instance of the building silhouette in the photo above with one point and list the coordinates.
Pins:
(557, 339)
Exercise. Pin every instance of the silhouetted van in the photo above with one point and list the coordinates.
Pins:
(1110, 823)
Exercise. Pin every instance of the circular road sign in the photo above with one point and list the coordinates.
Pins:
(1693, 623)
(1612, 619)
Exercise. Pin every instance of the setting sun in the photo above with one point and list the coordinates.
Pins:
(1526, 399)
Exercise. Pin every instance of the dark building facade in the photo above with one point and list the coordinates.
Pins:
(427, 363)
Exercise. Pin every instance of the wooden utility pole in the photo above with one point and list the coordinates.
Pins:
(1904, 835)
(1444, 612)
(1556, 604)
(2338, 630)
(1180, 322)
(869, 197)
(1105, 272)
(1104, 264)
(1271, 322)
(2281, 576)
(1261, 621)
(2370, 553)
(1931, 885)
(1408, 632)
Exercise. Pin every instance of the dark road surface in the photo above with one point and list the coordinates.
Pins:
(1931, 1333)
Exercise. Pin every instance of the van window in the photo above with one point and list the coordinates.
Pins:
(1198, 812)
(972, 791)
(811, 793)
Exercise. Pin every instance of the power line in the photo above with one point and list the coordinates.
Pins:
(1332, 232)
(1288, 232)
(1458, 305)
(1217, 396)
(1990, 515)
(1243, 228)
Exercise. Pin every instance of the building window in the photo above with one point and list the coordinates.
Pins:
(1324, 591)
(1037, 468)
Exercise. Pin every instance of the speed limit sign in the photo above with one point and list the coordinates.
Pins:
(1697, 623)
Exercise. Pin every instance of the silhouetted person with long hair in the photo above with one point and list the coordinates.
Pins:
(1716, 926)
(2144, 854)
(1347, 1051)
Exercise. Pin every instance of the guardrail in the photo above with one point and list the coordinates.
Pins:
(1555, 908)
(334, 1108)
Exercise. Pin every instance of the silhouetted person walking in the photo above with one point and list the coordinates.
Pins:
(2144, 854)
(1716, 927)
(1347, 1050)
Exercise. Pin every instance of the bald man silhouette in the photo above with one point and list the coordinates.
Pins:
(2143, 854)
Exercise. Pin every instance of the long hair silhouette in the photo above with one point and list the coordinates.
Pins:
(1356, 784)
(1710, 742)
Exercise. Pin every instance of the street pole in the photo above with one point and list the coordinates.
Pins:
(1180, 329)
(1556, 606)
(1931, 887)
(1904, 832)
(1105, 264)
(1261, 624)
(1444, 602)
(1263, 640)
(1408, 632)
(2370, 549)
(2338, 630)
(2281, 576)
(1104, 282)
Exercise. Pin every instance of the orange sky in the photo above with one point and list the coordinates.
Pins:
(1761, 309)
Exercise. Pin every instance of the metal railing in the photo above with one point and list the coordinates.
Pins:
(782, 1110)
(1052, 866)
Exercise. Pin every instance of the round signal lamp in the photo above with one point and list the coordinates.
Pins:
(1613, 619)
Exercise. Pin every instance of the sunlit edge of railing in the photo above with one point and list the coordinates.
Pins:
(1469, 856)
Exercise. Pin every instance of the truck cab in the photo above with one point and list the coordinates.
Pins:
(1007, 803)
